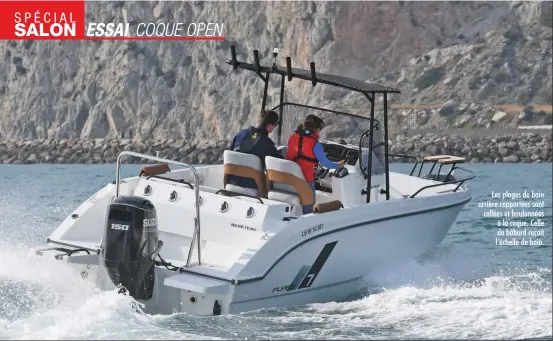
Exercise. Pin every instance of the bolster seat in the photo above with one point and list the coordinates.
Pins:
(286, 182)
(246, 166)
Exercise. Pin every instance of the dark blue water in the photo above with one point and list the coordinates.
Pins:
(469, 287)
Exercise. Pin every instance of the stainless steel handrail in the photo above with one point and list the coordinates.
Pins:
(197, 229)
(460, 182)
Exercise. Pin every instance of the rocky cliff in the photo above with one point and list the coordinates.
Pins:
(468, 53)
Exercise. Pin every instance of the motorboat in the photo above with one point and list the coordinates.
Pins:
(182, 238)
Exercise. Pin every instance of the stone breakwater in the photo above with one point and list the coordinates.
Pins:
(508, 148)
(512, 148)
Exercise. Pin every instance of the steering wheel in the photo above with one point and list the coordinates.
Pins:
(321, 172)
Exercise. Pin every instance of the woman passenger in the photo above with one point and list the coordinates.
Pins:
(305, 149)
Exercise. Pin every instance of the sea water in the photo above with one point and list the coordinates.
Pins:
(468, 288)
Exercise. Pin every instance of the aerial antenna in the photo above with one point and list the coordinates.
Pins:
(289, 68)
(275, 54)
(313, 75)
(256, 62)
(233, 57)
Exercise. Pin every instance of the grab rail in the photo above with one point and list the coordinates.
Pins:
(237, 194)
(460, 181)
(197, 229)
(180, 181)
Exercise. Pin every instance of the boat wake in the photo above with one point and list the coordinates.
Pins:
(440, 297)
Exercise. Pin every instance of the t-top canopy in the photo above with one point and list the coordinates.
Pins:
(310, 75)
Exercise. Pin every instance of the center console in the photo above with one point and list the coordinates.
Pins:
(346, 184)
(337, 152)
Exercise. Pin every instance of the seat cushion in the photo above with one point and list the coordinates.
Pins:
(292, 199)
(285, 176)
(247, 166)
(243, 190)
(243, 159)
(285, 166)
(279, 186)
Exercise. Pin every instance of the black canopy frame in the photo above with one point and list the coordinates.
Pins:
(368, 90)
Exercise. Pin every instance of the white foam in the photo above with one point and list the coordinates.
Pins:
(450, 311)
(449, 298)
(441, 300)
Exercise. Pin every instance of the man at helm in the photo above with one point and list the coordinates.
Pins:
(256, 141)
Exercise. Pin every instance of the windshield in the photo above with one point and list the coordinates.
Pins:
(338, 127)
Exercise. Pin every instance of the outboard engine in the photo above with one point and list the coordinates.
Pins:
(130, 245)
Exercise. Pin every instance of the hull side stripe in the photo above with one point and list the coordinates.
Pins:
(317, 265)
(298, 293)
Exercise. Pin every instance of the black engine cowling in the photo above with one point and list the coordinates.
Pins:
(131, 244)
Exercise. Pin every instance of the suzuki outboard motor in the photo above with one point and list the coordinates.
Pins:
(131, 244)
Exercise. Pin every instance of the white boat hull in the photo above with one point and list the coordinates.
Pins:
(315, 258)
